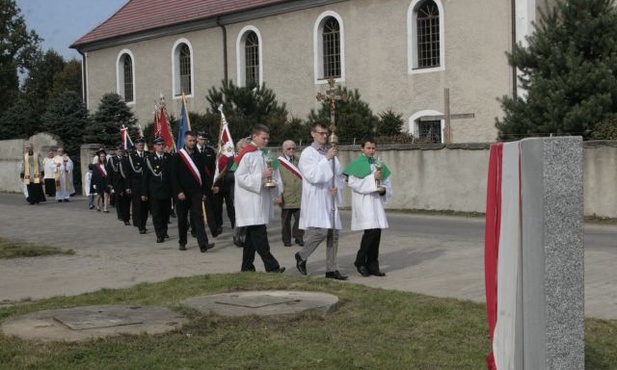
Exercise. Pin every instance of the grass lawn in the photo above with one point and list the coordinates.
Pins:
(16, 249)
(371, 329)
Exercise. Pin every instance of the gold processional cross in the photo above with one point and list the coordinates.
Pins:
(331, 96)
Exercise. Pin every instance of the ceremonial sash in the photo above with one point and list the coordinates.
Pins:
(190, 164)
(247, 149)
(36, 175)
(290, 167)
(102, 171)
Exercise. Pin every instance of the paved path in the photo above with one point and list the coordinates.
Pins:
(111, 255)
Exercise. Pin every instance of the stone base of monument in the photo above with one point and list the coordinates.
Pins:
(264, 303)
(82, 323)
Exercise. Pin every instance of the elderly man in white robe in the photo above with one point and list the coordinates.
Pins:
(63, 175)
(318, 217)
(369, 180)
(254, 200)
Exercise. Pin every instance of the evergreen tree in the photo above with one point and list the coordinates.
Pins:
(354, 118)
(111, 114)
(244, 107)
(69, 79)
(67, 118)
(568, 71)
(18, 46)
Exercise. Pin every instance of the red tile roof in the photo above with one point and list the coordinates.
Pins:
(142, 15)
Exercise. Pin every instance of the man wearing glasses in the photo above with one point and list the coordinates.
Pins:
(316, 167)
(289, 201)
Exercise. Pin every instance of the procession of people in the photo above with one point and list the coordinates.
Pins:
(195, 182)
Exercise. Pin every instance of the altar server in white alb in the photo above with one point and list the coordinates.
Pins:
(369, 180)
(316, 206)
(257, 183)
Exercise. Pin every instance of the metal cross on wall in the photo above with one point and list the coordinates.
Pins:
(331, 96)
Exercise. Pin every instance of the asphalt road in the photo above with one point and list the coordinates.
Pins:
(429, 254)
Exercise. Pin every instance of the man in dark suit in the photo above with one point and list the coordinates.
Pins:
(117, 171)
(156, 188)
(208, 154)
(135, 177)
(189, 188)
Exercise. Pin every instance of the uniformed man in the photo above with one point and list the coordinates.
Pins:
(156, 188)
(207, 152)
(135, 176)
(118, 171)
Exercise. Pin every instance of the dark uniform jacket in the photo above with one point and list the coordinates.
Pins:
(135, 172)
(116, 171)
(156, 182)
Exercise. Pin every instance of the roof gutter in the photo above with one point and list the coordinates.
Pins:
(225, 58)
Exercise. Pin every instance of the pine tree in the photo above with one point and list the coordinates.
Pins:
(111, 114)
(568, 70)
(67, 118)
(244, 107)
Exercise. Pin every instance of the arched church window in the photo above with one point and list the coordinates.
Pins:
(251, 59)
(427, 26)
(185, 70)
(331, 37)
(127, 78)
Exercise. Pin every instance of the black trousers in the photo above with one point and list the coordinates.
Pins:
(192, 204)
(256, 240)
(368, 255)
(160, 209)
(140, 208)
(224, 197)
(287, 229)
(123, 206)
(50, 187)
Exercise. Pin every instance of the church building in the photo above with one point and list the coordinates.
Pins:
(442, 64)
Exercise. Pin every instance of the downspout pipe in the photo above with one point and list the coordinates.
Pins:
(84, 80)
(225, 58)
(514, 72)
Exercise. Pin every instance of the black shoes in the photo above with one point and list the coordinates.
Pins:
(206, 248)
(166, 236)
(127, 223)
(300, 241)
(182, 247)
(279, 270)
(378, 273)
(363, 271)
(335, 275)
(287, 244)
(142, 231)
(300, 264)
(160, 239)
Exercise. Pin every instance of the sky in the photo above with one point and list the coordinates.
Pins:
(62, 22)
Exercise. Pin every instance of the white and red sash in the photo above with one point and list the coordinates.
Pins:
(190, 164)
(290, 167)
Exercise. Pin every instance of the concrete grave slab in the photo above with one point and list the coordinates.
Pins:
(264, 303)
(82, 323)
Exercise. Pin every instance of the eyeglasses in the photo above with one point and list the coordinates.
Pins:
(324, 133)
